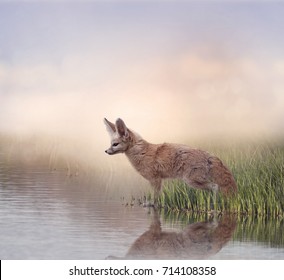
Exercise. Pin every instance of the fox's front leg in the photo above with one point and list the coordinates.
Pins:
(157, 185)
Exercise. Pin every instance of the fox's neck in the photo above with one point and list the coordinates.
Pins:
(137, 150)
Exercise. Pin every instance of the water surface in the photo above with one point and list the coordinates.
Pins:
(49, 214)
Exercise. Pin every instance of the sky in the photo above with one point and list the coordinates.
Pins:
(173, 70)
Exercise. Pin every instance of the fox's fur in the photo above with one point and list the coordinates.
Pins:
(156, 162)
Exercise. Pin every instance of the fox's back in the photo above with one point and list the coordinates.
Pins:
(170, 160)
(173, 160)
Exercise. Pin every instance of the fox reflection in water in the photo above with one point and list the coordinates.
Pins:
(196, 241)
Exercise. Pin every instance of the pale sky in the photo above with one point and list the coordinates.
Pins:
(172, 70)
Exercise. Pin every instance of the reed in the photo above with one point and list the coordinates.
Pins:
(259, 173)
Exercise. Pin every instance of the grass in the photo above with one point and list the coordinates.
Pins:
(262, 229)
(259, 173)
(50, 153)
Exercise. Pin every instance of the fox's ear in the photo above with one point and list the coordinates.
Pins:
(121, 128)
(109, 126)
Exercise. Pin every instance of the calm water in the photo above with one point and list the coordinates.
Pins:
(47, 215)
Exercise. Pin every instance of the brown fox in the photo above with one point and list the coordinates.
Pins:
(156, 162)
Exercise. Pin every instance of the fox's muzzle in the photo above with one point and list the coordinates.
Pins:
(109, 151)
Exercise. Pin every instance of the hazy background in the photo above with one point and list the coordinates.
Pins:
(174, 71)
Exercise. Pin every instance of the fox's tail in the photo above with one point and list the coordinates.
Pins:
(221, 176)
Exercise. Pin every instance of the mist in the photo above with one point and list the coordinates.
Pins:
(184, 97)
(163, 72)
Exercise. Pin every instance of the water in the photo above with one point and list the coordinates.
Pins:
(45, 214)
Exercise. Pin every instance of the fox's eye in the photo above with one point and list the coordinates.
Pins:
(115, 144)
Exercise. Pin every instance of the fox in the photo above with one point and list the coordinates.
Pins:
(157, 162)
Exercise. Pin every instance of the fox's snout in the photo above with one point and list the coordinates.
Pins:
(109, 152)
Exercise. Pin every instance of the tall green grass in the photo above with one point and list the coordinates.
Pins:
(259, 173)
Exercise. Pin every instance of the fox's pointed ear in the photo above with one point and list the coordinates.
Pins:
(121, 128)
(109, 126)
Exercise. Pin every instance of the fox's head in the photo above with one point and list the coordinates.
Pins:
(120, 137)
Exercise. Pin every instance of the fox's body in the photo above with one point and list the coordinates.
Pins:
(156, 162)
